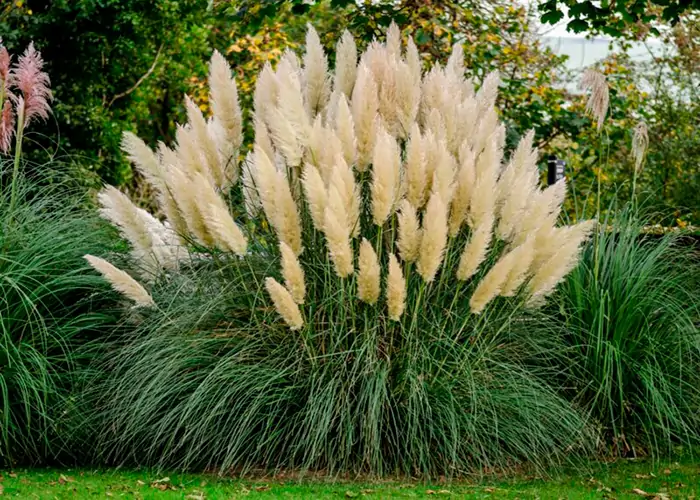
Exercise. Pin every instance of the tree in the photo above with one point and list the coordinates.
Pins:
(616, 17)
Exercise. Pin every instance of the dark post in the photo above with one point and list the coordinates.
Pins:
(555, 170)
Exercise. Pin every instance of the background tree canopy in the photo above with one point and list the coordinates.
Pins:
(616, 17)
(139, 57)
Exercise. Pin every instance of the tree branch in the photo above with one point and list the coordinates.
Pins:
(140, 80)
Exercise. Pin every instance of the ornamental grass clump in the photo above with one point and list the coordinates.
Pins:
(341, 297)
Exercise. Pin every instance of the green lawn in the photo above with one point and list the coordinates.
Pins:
(624, 479)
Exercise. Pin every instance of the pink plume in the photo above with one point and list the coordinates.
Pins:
(27, 77)
(7, 126)
(5, 61)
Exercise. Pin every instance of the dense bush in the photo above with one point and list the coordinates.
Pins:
(629, 311)
(50, 305)
(416, 366)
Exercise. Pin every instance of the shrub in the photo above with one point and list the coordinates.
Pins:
(49, 306)
(629, 310)
(283, 330)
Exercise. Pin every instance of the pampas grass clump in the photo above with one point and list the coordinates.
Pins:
(377, 243)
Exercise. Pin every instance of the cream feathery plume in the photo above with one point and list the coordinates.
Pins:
(206, 145)
(516, 186)
(483, 200)
(284, 304)
(521, 268)
(393, 41)
(251, 199)
(189, 158)
(555, 269)
(121, 281)
(316, 80)
(220, 225)
(407, 98)
(293, 274)
(343, 179)
(414, 167)
(345, 64)
(395, 289)
(316, 195)
(217, 227)
(455, 64)
(386, 165)
(338, 234)
(168, 159)
(285, 138)
(599, 99)
(289, 121)
(262, 136)
(475, 250)
(117, 208)
(266, 93)
(434, 238)
(466, 179)
(432, 154)
(467, 118)
(224, 100)
(365, 105)
(542, 211)
(324, 146)
(144, 159)
(345, 130)
(368, 277)
(186, 196)
(436, 125)
(413, 60)
(444, 173)
(496, 279)
(265, 180)
(486, 96)
(432, 89)
(409, 232)
(287, 221)
(486, 131)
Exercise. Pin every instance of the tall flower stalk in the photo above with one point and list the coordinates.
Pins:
(26, 87)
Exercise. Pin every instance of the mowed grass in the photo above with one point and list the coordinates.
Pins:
(622, 479)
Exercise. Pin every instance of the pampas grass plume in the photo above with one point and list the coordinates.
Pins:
(284, 303)
(365, 105)
(409, 232)
(415, 168)
(345, 130)
(338, 234)
(386, 165)
(345, 64)
(475, 250)
(368, 277)
(466, 177)
(316, 79)
(316, 195)
(434, 238)
(553, 271)
(224, 100)
(395, 289)
(121, 281)
(293, 273)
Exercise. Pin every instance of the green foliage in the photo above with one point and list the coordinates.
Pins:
(115, 65)
(49, 304)
(617, 18)
(214, 379)
(628, 313)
